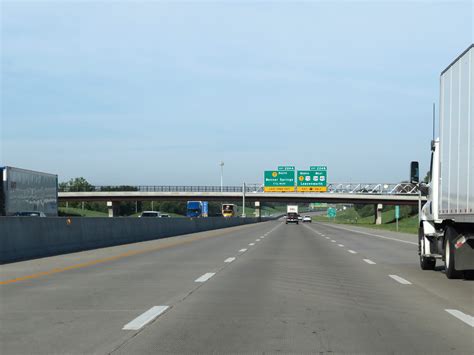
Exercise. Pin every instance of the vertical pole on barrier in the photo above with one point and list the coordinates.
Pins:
(243, 200)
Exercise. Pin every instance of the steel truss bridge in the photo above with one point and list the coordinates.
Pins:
(385, 193)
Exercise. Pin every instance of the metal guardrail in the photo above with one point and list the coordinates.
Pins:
(351, 188)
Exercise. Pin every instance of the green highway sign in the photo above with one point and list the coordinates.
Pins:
(331, 212)
(318, 168)
(318, 205)
(314, 180)
(286, 168)
(279, 181)
(397, 212)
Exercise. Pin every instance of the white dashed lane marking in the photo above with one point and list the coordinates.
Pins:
(400, 280)
(205, 277)
(352, 251)
(145, 318)
(252, 244)
(333, 241)
(375, 235)
(368, 261)
(229, 260)
(466, 318)
(242, 250)
(340, 245)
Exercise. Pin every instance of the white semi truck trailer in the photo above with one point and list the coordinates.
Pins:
(23, 191)
(446, 230)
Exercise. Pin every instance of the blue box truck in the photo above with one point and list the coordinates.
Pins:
(197, 209)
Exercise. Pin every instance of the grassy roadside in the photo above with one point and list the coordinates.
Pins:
(406, 225)
(81, 212)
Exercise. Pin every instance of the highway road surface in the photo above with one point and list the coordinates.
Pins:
(262, 288)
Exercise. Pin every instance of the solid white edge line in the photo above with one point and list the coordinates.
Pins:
(368, 261)
(374, 235)
(352, 251)
(400, 279)
(242, 250)
(145, 318)
(229, 260)
(466, 318)
(205, 277)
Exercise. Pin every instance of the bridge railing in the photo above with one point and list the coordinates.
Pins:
(164, 188)
(351, 188)
(374, 188)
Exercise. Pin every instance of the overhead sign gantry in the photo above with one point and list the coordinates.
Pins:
(283, 179)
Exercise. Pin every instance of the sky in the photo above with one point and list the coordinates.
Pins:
(158, 93)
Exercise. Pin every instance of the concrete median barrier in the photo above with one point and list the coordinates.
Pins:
(24, 238)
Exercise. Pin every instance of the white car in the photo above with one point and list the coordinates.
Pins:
(307, 219)
(150, 214)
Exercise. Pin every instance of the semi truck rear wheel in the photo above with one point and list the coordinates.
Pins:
(449, 258)
(425, 263)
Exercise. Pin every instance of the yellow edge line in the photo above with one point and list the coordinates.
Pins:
(104, 260)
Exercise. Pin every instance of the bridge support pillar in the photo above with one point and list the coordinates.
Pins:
(378, 213)
(113, 208)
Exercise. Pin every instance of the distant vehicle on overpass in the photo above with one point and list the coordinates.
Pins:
(446, 228)
(197, 209)
(229, 210)
(27, 191)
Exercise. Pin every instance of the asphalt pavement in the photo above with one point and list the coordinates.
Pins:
(262, 288)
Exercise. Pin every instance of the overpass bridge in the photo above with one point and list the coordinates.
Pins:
(361, 193)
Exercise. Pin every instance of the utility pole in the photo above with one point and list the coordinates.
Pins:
(222, 175)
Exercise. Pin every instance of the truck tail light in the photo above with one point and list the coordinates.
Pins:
(460, 242)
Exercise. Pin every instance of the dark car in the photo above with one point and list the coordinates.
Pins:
(292, 217)
(29, 214)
